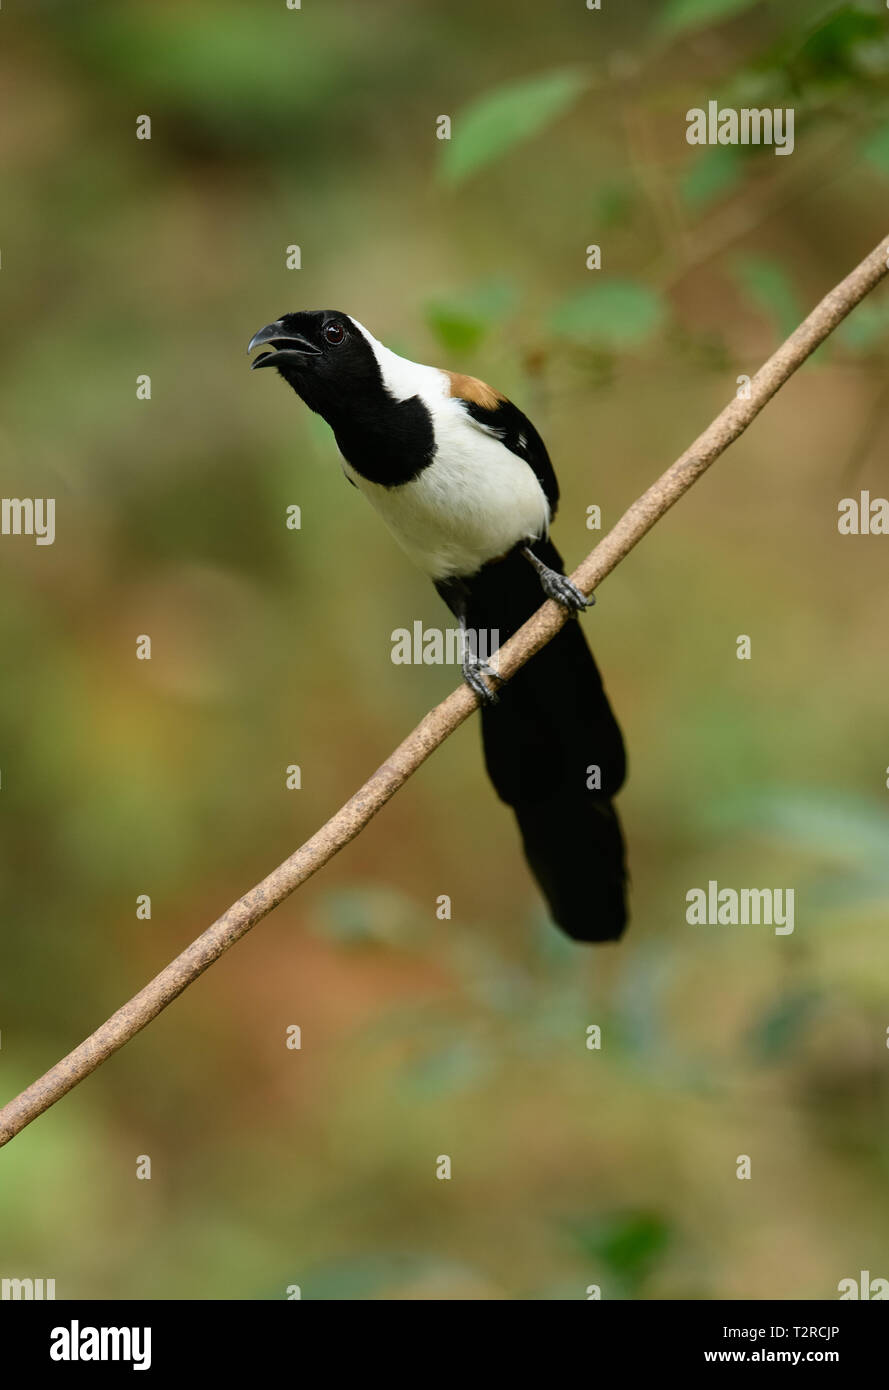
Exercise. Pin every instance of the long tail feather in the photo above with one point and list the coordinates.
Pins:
(555, 753)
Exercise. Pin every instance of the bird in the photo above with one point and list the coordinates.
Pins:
(464, 483)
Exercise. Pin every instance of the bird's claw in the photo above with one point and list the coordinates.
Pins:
(474, 669)
(559, 588)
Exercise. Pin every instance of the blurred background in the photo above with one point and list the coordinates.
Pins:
(316, 128)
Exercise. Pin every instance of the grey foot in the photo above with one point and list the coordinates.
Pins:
(559, 588)
(473, 671)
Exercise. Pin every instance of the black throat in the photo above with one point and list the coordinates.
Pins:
(386, 440)
(391, 444)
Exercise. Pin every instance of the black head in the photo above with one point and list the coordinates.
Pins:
(332, 364)
(322, 354)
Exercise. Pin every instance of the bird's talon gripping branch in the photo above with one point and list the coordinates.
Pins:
(558, 587)
(474, 669)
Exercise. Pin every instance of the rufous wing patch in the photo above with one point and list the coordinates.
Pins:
(469, 388)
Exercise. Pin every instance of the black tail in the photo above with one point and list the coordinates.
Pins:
(554, 752)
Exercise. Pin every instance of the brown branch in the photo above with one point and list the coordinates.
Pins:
(446, 717)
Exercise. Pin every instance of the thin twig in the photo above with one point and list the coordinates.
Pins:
(446, 717)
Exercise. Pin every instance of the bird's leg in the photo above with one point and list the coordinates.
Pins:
(475, 667)
(557, 586)
(456, 595)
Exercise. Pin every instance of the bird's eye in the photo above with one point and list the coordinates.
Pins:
(334, 333)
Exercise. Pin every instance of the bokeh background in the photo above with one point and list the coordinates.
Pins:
(273, 127)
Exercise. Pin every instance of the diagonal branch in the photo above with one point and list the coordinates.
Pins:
(351, 819)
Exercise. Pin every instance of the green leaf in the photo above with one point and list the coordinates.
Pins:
(711, 175)
(503, 118)
(680, 15)
(460, 321)
(615, 313)
(627, 1243)
(863, 330)
(841, 46)
(769, 286)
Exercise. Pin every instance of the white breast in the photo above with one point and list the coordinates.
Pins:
(476, 499)
(473, 503)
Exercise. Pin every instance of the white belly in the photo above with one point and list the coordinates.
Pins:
(473, 503)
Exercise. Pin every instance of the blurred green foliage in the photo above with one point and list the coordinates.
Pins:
(505, 117)
(626, 1245)
(679, 16)
(767, 285)
(461, 321)
(616, 314)
(421, 1036)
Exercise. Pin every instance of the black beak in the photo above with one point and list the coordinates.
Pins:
(289, 347)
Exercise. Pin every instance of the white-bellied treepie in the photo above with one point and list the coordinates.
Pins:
(464, 483)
